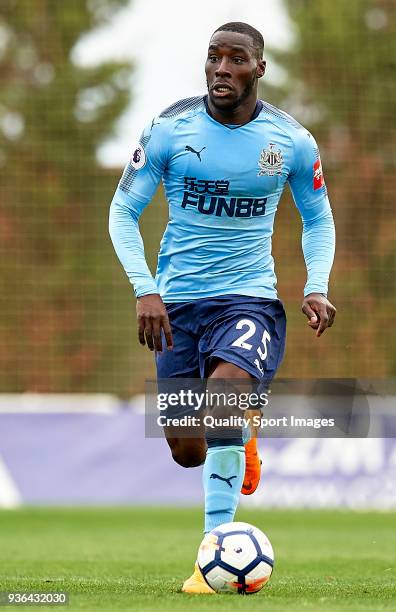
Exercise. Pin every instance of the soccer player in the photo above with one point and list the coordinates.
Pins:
(212, 311)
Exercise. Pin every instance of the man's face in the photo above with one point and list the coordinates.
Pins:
(232, 69)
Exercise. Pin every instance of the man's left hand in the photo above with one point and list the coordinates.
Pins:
(320, 312)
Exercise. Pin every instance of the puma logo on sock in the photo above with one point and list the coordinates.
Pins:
(227, 480)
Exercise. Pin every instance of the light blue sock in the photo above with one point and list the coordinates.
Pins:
(222, 476)
(246, 433)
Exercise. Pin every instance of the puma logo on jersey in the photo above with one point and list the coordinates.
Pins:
(153, 123)
(197, 153)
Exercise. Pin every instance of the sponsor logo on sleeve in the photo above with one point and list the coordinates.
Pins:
(138, 158)
(318, 178)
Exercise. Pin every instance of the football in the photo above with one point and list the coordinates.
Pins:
(236, 558)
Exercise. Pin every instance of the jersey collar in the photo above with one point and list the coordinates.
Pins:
(256, 112)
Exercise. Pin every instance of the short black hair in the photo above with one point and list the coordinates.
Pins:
(245, 28)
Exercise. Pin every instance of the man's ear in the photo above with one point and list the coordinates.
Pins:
(261, 68)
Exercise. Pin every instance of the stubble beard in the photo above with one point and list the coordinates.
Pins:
(233, 105)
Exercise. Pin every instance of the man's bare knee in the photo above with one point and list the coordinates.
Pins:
(223, 370)
(188, 455)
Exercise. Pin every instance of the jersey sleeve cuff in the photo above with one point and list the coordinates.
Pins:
(146, 289)
(315, 289)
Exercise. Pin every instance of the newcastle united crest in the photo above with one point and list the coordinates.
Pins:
(270, 162)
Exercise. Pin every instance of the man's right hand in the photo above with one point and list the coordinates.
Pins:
(152, 317)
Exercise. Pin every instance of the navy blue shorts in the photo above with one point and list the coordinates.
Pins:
(246, 331)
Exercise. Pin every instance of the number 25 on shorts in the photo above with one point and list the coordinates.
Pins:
(241, 341)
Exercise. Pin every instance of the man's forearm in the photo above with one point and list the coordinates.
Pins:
(128, 243)
(318, 243)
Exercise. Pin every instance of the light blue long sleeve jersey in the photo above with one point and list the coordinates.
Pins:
(223, 184)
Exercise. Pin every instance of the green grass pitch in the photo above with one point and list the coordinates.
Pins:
(136, 559)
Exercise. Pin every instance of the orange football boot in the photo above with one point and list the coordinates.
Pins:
(252, 468)
(197, 584)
